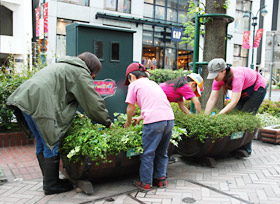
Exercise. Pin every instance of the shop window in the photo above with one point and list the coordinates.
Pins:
(123, 6)
(160, 13)
(78, 2)
(147, 38)
(60, 46)
(6, 21)
(171, 15)
(181, 16)
(98, 49)
(183, 4)
(148, 10)
(115, 51)
(172, 3)
(61, 26)
(160, 2)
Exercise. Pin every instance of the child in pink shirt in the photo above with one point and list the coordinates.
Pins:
(158, 125)
(189, 87)
(248, 89)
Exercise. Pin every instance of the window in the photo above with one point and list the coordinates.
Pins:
(6, 21)
(98, 49)
(160, 12)
(171, 15)
(123, 6)
(242, 24)
(115, 51)
(78, 2)
(61, 26)
(148, 10)
(240, 56)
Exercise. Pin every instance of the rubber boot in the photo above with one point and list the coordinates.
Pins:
(40, 158)
(53, 184)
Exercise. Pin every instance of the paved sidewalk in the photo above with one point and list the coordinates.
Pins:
(252, 180)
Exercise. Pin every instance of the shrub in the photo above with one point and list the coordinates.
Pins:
(163, 75)
(273, 108)
(202, 127)
(9, 82)
(84, 139)
(267, 120)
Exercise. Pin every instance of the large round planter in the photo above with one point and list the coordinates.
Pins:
(189, 147)
(89, 170)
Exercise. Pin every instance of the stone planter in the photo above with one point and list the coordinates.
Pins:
(270, 134)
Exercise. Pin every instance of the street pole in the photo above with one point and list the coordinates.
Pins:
(271, 65)
(254, 28)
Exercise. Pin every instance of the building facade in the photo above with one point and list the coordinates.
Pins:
(15, 32)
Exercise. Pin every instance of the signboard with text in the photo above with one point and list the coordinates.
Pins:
(176, 34)
(105, 87)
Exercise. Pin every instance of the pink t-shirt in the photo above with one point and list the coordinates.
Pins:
(175, 96)
(243, 78)
(151, 99)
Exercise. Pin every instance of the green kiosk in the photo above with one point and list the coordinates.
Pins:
(114, 48)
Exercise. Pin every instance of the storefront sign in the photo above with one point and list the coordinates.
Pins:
(176, 34)
(105, 87)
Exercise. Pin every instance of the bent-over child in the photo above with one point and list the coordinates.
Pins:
(157, 125)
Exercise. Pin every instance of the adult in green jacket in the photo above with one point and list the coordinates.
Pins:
(48, 102)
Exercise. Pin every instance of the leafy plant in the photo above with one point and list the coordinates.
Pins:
(84, 139)
(273, 108)
(163, 75)
(10, 80)
(267, 120)
(202, 127)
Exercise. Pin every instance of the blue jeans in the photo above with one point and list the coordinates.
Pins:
(251, 105)
(155, 139)
(40, 143)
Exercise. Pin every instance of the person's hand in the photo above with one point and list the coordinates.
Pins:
(127, 124)
(136, 120)
(111, 125)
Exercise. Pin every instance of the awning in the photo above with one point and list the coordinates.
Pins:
(138, 21)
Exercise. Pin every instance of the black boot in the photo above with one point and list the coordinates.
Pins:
(41, 159)
(53, 184)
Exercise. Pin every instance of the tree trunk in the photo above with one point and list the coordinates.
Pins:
(214, 46)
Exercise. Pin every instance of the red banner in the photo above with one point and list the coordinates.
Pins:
(258, 38)
(46, 18)
(37, 14)
(246, 38)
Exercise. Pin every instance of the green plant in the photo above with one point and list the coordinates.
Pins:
(202, 127)
(163, 75)
(267, 120)
(189, 31)
(85, 139)
(273, 108)
(10, 80)
(278, 85)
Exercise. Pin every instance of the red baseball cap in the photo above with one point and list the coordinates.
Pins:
(131, 68)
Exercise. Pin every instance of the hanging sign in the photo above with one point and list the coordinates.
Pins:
(37, 14)
(176, 34)
(258, 38)
(105, 87)
(246, 37)
(46, 17)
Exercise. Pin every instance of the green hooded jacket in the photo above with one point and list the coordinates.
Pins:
(53, 94)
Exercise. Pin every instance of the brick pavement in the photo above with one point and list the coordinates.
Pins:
(252, 180)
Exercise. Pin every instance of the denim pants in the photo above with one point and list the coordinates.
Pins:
(155, 139)
(40, 143)
(251, 105)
